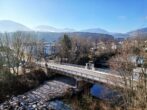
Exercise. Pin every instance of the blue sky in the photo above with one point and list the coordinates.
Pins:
(112, 15)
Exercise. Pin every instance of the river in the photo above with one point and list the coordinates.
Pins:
(88, 98)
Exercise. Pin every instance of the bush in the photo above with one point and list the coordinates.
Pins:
(8, 82)
(33, 79)
(11, 84)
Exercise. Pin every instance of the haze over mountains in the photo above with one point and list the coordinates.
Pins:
(11, 26)
(95, 30)
(45, 28)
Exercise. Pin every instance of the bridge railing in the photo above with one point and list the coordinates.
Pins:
(103, 70)
(86, 76)
(105, 78)
(81, 66)
(68, 64)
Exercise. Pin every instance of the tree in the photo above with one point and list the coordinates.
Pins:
(80, 50)
(135, 87)
(16, 48)
(76, 49)
(65, 47)
(6, 52)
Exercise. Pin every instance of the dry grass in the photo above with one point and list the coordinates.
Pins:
(11, 84)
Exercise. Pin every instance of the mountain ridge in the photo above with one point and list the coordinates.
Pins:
(12, 26)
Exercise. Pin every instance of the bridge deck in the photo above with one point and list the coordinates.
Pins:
(93, 75)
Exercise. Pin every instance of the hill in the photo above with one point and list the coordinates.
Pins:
(11, 26)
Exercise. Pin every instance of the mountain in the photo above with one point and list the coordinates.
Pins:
(68, 30)
(45, 28)
(95, 30)
(142, 32)
(54, 36)
(138, 33)
(102, 31)
(94, 36)
(119, 35)
(11, 26)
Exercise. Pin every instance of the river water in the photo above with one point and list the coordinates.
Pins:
(105, 93)
(97, 91)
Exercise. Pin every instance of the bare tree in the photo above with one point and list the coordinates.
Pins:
(126, 64)
(7, 53)
(17, 48)
(80, 48)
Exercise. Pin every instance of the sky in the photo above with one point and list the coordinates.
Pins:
(112, 15)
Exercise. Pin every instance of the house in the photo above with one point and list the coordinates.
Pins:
(137, 60)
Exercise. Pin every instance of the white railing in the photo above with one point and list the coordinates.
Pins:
(81, 66)
(85, 75)
(74, 65)
(100, 75)
(102, 70)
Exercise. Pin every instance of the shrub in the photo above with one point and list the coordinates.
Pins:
(11, 84)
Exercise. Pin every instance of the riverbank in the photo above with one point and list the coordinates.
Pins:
(39, 98)
(55, 92)
(85, 101)
(12, 85)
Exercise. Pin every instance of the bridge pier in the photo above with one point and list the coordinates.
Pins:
(80, 84)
